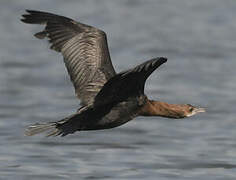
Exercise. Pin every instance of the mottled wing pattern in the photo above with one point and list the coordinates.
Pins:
(128, 83)
(83, 47)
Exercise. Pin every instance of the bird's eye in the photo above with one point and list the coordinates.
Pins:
(191, 109)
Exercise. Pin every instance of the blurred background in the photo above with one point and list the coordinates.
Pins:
(198, 37)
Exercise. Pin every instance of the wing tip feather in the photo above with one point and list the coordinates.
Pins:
(161, 59)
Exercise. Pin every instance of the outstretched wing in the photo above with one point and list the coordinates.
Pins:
(116, 103)
(83, 47)
(127, 83)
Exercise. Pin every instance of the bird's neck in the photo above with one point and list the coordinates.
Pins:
(157, 108)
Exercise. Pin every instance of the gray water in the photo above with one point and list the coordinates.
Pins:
(198, 37)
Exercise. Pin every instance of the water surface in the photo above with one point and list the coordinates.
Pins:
(198, 37)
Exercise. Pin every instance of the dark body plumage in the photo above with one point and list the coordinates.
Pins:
(108, 99)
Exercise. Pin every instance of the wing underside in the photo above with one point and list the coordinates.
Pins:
(83, 47)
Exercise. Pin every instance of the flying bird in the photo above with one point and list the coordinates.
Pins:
(108, 99)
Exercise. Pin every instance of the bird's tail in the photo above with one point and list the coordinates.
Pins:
(51, 128)
(62, 127)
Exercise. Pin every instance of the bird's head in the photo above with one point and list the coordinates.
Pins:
(190, 110)
(158, 108)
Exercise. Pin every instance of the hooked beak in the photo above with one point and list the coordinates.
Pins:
(196, 110)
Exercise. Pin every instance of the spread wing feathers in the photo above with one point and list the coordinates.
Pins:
(83, 47)
(127, 83)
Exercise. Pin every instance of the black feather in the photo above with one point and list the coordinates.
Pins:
(128, 83)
